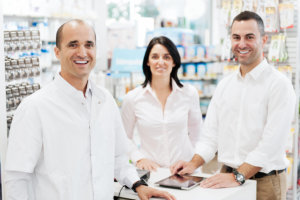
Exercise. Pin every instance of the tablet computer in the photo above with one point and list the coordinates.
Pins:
(182, 182)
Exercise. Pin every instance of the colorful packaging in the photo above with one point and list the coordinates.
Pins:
(271, 21)
(200, 53)
(190, 52)
(201, 70)
(181, 51)
(286, 15)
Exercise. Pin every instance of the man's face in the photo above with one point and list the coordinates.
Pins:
(77, 51)
(247, 43)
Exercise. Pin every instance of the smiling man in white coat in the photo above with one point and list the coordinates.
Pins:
(67, 140)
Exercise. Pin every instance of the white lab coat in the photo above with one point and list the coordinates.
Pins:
(68, 153)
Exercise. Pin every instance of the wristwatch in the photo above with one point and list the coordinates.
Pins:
(138, 183)
(240, 178)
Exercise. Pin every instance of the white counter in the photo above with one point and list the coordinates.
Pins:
(245, 192)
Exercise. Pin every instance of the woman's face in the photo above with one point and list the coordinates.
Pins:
(160, 61)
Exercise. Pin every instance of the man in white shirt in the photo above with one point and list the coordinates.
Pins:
(249, 118)
(67, 141)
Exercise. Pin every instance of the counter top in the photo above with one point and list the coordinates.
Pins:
(245, 192)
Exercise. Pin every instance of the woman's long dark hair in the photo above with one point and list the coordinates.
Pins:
(166, 42)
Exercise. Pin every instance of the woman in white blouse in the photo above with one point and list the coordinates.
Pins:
(166, 112)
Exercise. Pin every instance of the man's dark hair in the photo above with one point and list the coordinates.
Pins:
(248, 15)
(60, 30)
(166, 42)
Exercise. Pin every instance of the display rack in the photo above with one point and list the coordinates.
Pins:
(203, 75)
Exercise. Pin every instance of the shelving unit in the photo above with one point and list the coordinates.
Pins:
(204, 75)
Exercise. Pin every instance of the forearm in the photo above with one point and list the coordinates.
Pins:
(197, 161)
(248, 170)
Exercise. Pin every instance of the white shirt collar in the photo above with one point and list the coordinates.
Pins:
(175, 87)
(71, 90)
(256, 71)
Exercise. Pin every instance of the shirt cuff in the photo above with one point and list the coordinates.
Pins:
(130, 180)
(205, 152)
(136, 156)
(256, 159)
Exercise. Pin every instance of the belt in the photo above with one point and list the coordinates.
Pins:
(258, 174)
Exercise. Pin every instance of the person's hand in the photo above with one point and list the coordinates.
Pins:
(179, 178)
(147, 164)
(183, 167)
(222, 180)
(146, 193)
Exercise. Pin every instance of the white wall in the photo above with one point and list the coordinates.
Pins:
(171, 9)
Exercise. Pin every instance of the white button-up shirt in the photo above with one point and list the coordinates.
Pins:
(60, 149)
(249, 119)
(166, 136)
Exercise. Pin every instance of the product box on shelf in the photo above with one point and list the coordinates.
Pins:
(22, 67)
(190, 52)
(181, 51)
(189, 70)
(200, 53)
(201, 70)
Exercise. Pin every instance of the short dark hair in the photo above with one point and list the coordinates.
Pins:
(60, 30)
(248, 15)
(166, 42)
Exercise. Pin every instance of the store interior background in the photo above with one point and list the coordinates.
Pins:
(199, 28)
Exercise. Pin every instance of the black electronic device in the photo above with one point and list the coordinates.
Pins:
(182, 182)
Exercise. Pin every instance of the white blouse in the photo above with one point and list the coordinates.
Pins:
(166, 136)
